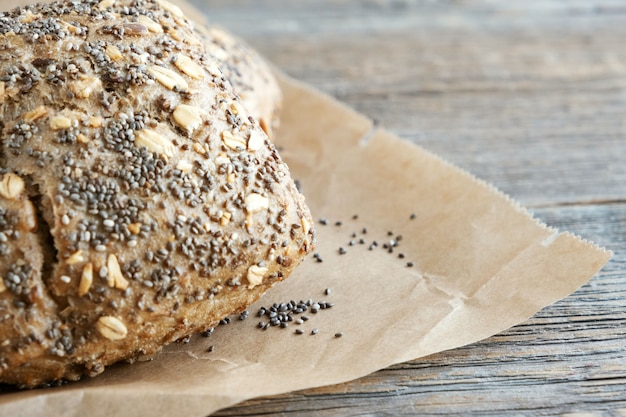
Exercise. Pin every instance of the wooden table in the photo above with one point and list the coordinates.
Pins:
(529, 96)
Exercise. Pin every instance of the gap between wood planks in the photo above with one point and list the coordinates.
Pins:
(592, 202)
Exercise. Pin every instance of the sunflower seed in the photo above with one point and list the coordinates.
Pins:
(86, 279)
(75, 258)
(115, 279)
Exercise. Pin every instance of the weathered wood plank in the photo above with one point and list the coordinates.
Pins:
(530, 96)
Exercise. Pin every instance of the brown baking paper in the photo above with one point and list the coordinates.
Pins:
(481, 264)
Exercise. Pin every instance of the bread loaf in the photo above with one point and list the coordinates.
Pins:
(139, 201)
(249, 74)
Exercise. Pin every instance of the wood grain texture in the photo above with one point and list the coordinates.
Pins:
(529, 96)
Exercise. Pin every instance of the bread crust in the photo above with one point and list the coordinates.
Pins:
(139, 201)
(249, 74)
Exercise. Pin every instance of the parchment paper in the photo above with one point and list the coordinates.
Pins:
(481, 264)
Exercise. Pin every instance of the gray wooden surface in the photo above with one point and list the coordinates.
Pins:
(527, 95)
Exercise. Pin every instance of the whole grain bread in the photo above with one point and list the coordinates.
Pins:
(139, 201)
(249, 74)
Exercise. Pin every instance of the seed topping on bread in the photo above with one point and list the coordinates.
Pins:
(138, 201)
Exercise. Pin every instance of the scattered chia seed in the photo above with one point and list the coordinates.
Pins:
(413, 216)
(208, 332)
(211, 349)
(281, 314)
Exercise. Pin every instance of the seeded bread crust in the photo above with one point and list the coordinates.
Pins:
(249, 74)
(139, 201)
